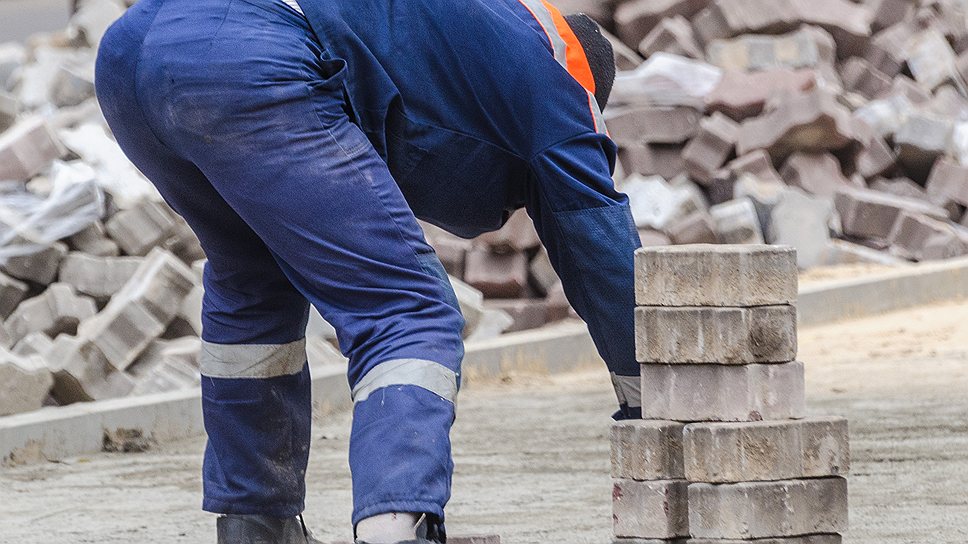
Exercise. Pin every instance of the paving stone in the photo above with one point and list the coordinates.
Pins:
(921, 238)
(712, 146)
(948, 182)
(672, 35)
(804, 48)
(842, 252)
(542, 273)
(653, 125)
(98, 277)
(764, 195)
(82, 373)
(848, 23)
(39, 267)
(815, 173)
(875, 157)
(516, 235)
(865, 213)
(141, 228)
(35, 343)
(715, 335)
(27, 149)
(930, 59)
(94, 240)
(635, 19)
(737, 222)
(687, 392)
(757, 164)
(73, 83)
(141, 310)
(715, 275)
(646, 450)
(768, 509)
(497, 275)
(740, 95)
(921, 138)
(24, 382)
(899, 186)
(657, 204)
(190, 311)
(766, 450)
(526, 313)
(12, 292)
(451, 250)
(655, 509)
(182, 241)
(695, 228)
(803, 222)
(862, 77)
(57, 310)
(811, 121)
(167, 365)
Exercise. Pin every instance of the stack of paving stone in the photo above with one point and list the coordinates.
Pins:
(724, 452)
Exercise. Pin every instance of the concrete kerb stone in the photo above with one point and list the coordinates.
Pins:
(59, 432)
(55, 433)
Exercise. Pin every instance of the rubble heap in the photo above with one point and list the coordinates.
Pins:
(835, 126)
(724, 452)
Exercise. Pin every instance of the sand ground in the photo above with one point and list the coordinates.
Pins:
(532, 454)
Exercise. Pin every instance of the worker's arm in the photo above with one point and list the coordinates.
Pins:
(587, 228)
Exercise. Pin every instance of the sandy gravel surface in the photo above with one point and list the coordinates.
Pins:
(532, 454)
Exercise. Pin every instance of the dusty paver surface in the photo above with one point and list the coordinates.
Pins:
(532, 456)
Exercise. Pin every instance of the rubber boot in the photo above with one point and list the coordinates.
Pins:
(253, 529)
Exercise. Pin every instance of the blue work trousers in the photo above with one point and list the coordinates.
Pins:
(231, 109)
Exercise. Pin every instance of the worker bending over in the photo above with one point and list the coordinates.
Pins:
(300, 140)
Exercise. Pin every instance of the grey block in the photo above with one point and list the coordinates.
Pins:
(646, 450)
(24, 382)
(717, 335)
(12, 292)
(35, 343)
(99, 277)
(82, 373)
(656, 509)
(141, 228)
(27, 148)
(39, 267)
(141, 310)
(737, 222)
(766, 450)
(715, 275)
(94, 241)
(768, 509)
(756, 392)
(57, 310)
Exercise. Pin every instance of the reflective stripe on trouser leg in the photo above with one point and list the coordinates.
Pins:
(628, 389)
(257, 407)
(400, 451)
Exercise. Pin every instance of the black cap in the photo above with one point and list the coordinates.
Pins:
(598, 51)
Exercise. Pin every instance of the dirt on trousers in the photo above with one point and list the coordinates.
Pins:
(532, 454)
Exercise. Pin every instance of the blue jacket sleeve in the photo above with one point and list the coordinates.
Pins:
(587, 227)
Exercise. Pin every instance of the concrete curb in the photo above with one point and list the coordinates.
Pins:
(55, 433)
(60, 432)
(919, 285)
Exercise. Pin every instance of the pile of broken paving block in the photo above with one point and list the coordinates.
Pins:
(724, 452)
(838, 127)
(100, 281)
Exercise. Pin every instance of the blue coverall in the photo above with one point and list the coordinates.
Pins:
(300, 151)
